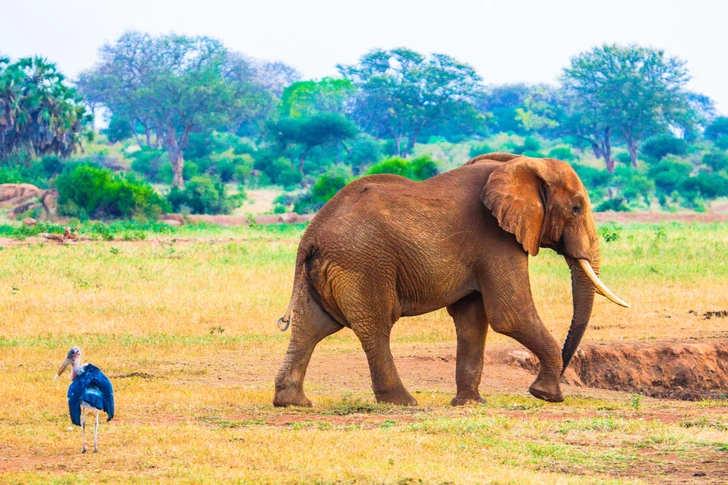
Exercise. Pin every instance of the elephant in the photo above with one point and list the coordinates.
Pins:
(385, 247)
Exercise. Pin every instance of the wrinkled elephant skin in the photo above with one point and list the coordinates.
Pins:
(386, 247)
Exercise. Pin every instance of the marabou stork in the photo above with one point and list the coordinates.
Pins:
(90, 391)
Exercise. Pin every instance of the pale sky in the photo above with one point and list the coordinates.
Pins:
(506, 41)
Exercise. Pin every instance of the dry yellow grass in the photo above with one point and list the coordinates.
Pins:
(186, 332)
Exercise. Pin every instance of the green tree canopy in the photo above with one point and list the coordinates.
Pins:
(631, 92)
(39, 113)
(174, 85)
(401, 93)
(306, 98)
(311, 131)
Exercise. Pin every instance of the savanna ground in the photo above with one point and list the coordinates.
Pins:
(184, 326)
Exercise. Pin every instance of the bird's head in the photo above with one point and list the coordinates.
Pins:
(73, 358)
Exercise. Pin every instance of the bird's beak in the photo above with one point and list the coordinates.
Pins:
(65, 364)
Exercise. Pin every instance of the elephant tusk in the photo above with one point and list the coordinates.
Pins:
(601, 287)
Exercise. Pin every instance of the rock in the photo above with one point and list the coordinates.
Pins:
(29, 221)
(171, 222)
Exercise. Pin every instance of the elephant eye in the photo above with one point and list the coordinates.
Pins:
(576, 210)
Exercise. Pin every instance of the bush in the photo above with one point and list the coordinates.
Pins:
(148, 162)
(364, 151)
(562, 153)
(326, 186)
(591, 177)
(420, 168)
(660, 146)
(87, 191)
(669, 174)
(480, 149)
(716, 160)
(704, 186)
(617, 204)
(204, 195)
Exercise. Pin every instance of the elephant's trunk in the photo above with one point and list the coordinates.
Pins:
(583, 295)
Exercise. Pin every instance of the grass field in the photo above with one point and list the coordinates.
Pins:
(183, 324)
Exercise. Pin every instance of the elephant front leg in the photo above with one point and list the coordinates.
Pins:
(471, 326)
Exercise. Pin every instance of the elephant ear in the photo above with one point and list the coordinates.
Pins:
(517, 193)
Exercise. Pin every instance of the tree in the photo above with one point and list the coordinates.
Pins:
(401, 92)
(628, 91)
(39, 113)
(305, 98)
(717, 129)
(311, 131)
(174, 85)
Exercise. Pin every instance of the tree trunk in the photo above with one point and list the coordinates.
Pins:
(148, 134)
(136, 135)
(175, 156)
(411, 143)
(301, 160)
(632, 149)
(607, 151)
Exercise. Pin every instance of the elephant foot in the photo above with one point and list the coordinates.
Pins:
(286, 397)
(461, 400)
(403, 398)
(549, 393)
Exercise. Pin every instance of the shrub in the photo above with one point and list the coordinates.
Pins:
(87, 191)
(617, 204)
(658, 147)
(591, 177)
(562, 153)
(147, 162)
(364, 151)
(669, 174)
(716, 160)
(204, 195)
(704, 186)
(326, 186)
(420, 168)
(480, 149)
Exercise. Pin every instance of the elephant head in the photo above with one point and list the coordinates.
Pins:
(544, 204)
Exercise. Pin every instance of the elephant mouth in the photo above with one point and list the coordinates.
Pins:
(600, 287)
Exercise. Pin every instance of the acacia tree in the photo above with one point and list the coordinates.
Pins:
(631, 92)
(39, 113)
(173, 85)
(401, 92)
(311, 131)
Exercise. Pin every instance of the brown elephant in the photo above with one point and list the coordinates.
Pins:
(386, 247)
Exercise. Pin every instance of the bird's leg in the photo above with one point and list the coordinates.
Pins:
(96, 431)
(83, 427)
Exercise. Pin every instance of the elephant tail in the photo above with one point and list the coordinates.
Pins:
(285, 321)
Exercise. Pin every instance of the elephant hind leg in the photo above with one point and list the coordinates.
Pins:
(471, 326)
(310, 325)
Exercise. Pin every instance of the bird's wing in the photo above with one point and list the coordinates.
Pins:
(100, 381)
(107, 394)
(75, 391)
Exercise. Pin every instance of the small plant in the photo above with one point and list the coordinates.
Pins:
(610, 233)
(635, 402)
(114, 251)
(216, 330)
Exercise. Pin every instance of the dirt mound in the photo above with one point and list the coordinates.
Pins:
(686, 371)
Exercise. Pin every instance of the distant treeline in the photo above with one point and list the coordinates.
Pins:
(190, 113)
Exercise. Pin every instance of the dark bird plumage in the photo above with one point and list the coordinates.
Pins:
(92, 387)
(90, 390)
